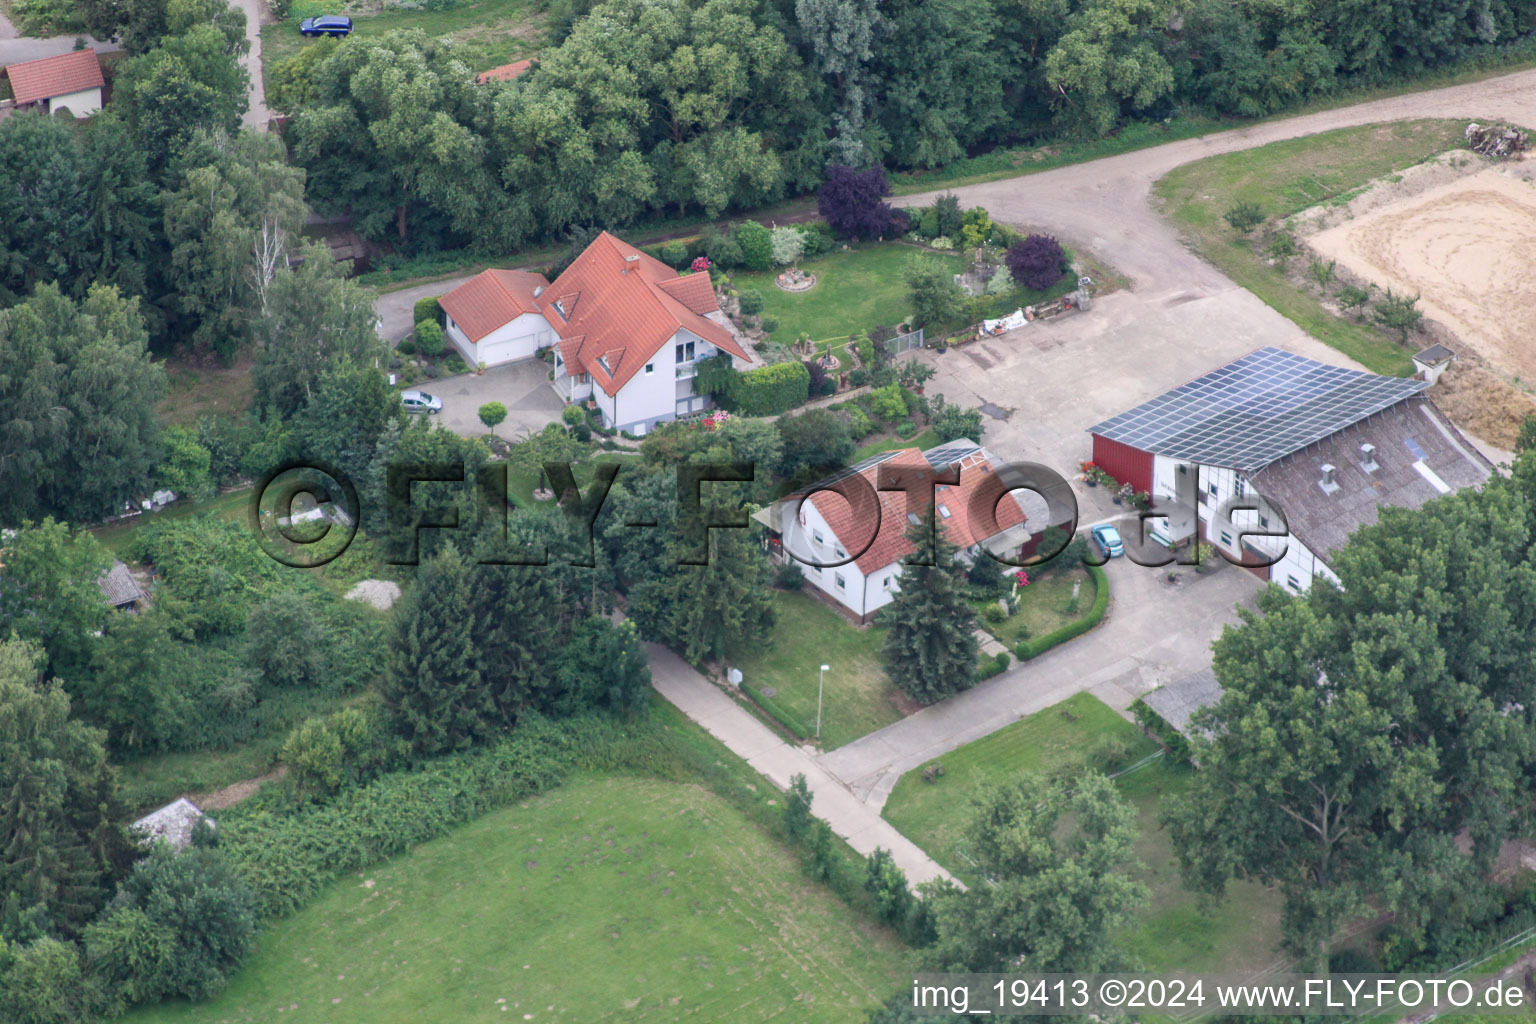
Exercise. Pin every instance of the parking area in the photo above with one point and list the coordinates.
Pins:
(523, 387)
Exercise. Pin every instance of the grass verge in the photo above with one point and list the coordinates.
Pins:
(1285, 178)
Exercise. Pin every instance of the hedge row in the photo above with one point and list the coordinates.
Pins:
(1037, 646)
(778, 714)
(989, 667)
(770, 390)
(288, 858)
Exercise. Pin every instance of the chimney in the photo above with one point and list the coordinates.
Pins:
(1368, 458)
(1328, 483)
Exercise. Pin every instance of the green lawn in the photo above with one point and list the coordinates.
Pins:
(233, 506)
(490, 32)
(1173, 931)
(923, 441)
(855, 290)
(858, 697)
(1043, 605)
(1285, 178)
(608, 899)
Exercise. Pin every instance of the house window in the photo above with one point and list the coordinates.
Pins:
(840, 552)
(1294, 582)
(886, 583)
(817, 568)
(650, 368)
(1226, 538)
(1213, 488)
(685, 352)
(1237, 487)
(816, 536)
(842, 584)
(1264, 522)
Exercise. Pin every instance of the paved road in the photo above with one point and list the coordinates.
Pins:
(779, 762)
(1154, 633)
(397, 309)
(256, 14)
(15, 48)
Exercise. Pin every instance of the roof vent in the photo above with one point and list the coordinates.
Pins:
(538, 290)
(1328, 483)
(632, 257)
(1368, 458)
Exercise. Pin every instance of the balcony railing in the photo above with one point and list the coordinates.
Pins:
(687, 370)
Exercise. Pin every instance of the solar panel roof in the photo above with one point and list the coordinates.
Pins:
(1251, 412)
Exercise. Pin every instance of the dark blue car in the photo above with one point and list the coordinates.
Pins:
(326, 25)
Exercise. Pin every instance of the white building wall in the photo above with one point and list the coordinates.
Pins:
(82, 104)
(517, 339)
(845, 584)
(1296, 568)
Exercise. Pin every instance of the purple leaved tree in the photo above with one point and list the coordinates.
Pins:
(1037, 262)
(853, 203)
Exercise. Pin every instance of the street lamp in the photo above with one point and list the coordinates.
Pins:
(820, 686)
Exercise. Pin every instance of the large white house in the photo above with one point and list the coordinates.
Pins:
(1315, 449)
(820, 525)
(628, 332)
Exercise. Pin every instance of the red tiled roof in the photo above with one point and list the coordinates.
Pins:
(616, 302)
(492, 299)
(506, 72)
(55, 76)
(890, 543)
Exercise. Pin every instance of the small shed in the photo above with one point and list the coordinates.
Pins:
(67, 81)
(1432, 361)
(120, 590)
(172, 823)
(1177, 701)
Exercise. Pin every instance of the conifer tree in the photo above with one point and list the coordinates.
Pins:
(433, 686)
(930, 651)
(703, 611)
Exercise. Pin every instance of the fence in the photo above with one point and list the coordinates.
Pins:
(905, 342)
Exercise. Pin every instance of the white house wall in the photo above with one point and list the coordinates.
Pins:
(82, 104)
(1296, 568)
(859, 593)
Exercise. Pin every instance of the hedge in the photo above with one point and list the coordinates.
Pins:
(1037, 646)
(288, 857)
(1161, 731)
(988, 667)
(775, 712)
(770, 390)
(428, 309)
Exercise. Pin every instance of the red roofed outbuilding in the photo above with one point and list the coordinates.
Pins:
(69, 81)
(506, 72)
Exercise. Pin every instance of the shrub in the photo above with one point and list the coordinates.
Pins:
(756, 245)
(788, 576)
(858, 420)
(906, 429)
(406, 346)
(428, 309)
(788, 245)
(1321, 272)
(492, 413)
(572, 415)
(582, 432)
(818, 238)
(887, 886)
(858, 378)
(853, 203)
(751, 303)
(285, 640)
(889, 402)
(816, 438)
(770, 390)
(797, 808)
(791, 724)
(1037, 262)
(994, 614)
(1111, 754)
(1282, 246)
(946, 210)
(674, 254)
(928, 224)
(1244, 216)
(722, 250)
(936, 300)
(429, 338)
(770, 324)
(952, 421)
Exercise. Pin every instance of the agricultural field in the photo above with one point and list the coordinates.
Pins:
(1284, 178)
(611, 898)
(1174, 930)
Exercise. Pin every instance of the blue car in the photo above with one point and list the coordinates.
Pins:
(1108, 540)
(326, 25)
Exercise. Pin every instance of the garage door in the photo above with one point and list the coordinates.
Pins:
(493, 353)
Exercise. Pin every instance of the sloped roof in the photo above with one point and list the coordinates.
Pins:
(1255, 410)
(852, 525)
(1177, 701)
(617, 304)
(119, 587)
(506, 72)
(48, 77)
(492, 299)
(1416, 453)
(173, 823)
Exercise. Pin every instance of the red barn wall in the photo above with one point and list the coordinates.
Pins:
(1126, 464)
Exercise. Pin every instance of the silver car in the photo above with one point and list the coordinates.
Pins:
(420, 401)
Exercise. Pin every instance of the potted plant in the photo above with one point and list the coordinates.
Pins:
(479, 369)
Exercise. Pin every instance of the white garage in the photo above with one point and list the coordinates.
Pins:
(494, 318)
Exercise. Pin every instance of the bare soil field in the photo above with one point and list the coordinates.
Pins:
(1467, 247)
